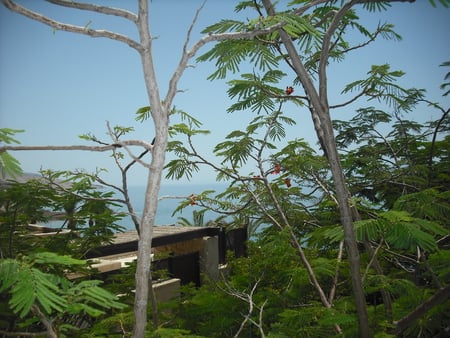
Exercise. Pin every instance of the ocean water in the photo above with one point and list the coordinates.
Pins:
(169, 198)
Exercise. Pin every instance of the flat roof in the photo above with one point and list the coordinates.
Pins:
(162, 235)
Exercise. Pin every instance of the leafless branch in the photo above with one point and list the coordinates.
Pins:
(248, 298)
(95, 33)
(353, 99)
(372, 259)
(78, 147)
(126, 144)
(45, 321)
(324, 55)
(188, 54)
(96, 8)
(336, 274)
(22, 334)
(57, 148)
(324, 188)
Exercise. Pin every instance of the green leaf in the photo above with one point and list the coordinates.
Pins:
(407, 235)
(333, 317)
(255, 93)
(23, 294)
(8, 273)
(236, 151)
(296, 25)
(439, 263)
(84, 308)
(143, 114)
(6, 133)
(229, 54)
(32, 287)
(9, 165)
(53, 258)
(180, 168)
(91, 294)
(224, 26)
(47, 293)
(445, 3)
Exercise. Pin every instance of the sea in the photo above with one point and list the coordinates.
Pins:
(169, 198)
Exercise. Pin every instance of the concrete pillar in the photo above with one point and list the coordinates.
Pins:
(209, 257)
(167, 289)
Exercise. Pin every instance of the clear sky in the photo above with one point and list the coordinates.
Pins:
(58, 85)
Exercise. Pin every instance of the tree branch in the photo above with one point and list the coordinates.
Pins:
(22, 334)
(56, 148)
(324, 55)
(126, 144)
(120, 144)
(373, 1)
(45, 321)
(96, 8)
(336, 273)
(95, 33)
(188, 54)
(439, 297)
(61, 187)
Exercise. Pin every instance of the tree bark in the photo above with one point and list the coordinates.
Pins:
(439, 297)
(51, 333)
(159, 111)
(160, 118)
(322, 121)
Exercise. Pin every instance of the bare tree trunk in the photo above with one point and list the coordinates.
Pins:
(351, 244)
(159, 111)
(322, 121)
(160, 117)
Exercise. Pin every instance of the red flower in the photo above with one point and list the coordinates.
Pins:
(276, 169)
(289, 90)
(192, 197)
(287, 181)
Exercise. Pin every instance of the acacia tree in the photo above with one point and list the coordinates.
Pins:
(160, 110)
(313, 37)
(290, 26)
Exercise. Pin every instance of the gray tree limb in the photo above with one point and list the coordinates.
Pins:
(96, 33)
(95, 8)
(439, 297)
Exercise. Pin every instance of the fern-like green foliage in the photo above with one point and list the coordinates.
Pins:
(183, 165)
(240, 146)
(255, 92)
(172, 333)
(229, 55)
(30, 287)
(397, 228)
(445, 3)
(429, 204)
(406, 233)
(446, 84)
(380, 85)
(8, 163)
(439, 261)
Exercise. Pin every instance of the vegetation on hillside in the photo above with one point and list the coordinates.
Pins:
(349, 238)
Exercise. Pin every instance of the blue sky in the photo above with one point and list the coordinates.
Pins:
(58, 85)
